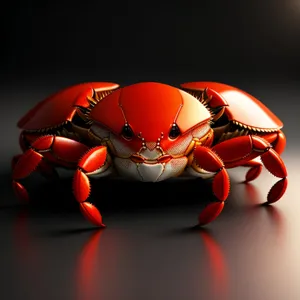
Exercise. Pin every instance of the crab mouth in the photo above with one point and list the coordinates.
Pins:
(136, 158)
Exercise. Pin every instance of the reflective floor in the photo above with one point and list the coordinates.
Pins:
(152, 250)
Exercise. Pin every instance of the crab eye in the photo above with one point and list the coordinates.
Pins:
(174, 132)
(127, 132)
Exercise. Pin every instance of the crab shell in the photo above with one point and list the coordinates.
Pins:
(60, 107)
(150, 109)
(241, 108)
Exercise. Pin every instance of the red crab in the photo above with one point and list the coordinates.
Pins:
(151, 132)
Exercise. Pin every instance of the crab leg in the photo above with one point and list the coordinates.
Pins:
(61, 150)
(254, 171)
(280, 142)
(15, 160)
(209, 161)
(241, 150)
(277, 140)
(43, 151)
(44, 168)
(91, 161)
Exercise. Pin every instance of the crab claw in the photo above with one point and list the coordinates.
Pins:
(208, 160)
(84, 96)
(91, 161)
(91, 213)
(277, 190)
(214, 98)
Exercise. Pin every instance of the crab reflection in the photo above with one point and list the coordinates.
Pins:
(92, 267)
(87, 267)
(218, 267)
(272, 212)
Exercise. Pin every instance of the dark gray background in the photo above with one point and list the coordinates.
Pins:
(150, 250)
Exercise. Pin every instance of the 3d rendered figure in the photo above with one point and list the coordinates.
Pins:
(151, 131)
